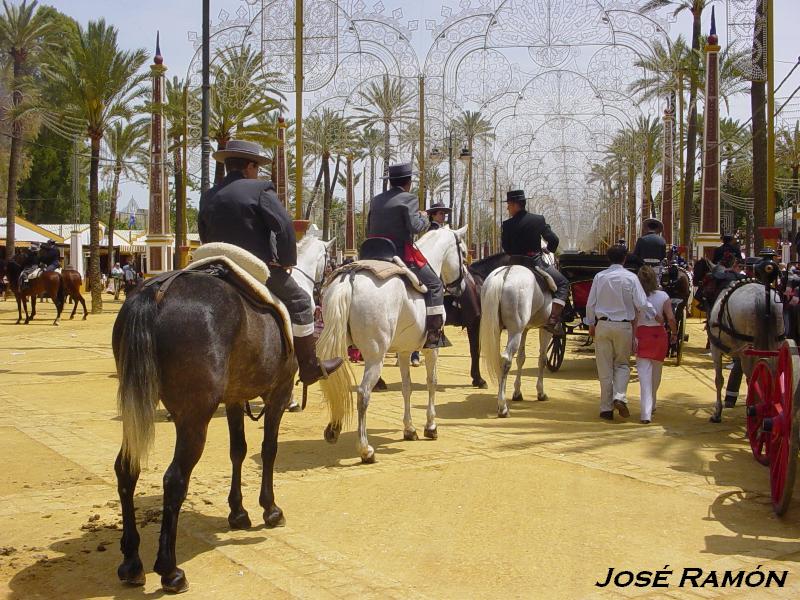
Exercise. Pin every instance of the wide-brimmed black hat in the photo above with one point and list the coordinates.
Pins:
(655, 224)
(242, 149)
(438, 207)
(517, 196)
(400, 171)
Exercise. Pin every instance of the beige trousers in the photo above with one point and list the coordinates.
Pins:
(612, 347)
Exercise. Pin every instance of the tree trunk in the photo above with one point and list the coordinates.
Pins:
(326, 198)
(335, 178)
(386, 153)
(758, 107)
(691, 133)
(310, 203)
(795, 181)
(371, 176)
(95, 285)
(180, 202)
(631, 203)
(14, 161)
(112, 215)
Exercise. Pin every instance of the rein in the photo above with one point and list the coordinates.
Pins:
(725, 321)
(455, 285)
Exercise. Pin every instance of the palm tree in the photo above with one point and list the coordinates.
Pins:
(648, 134)
(98, 83)
(409, 140)
(327, 133)
(385, 103)
(25, 36)
(696, 7)
(471, 126)
(241, 93)
(371, 140)
(125, 142)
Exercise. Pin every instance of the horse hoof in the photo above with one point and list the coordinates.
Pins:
(56, 323)
(517, 397)
(239, 520)
(380, 386)
(71, 318)
(432, 434)
(715, 419)
(131, 572)
(502, 414)
(410, 436)
(274, 518)
(541, 397)
(480, 384)
(295, 407)
(331, 434)
(175, 583)
(369, 457)
(85, 317)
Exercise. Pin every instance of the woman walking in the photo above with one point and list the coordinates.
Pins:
(652, 342)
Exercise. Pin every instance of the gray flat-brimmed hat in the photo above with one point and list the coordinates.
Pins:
(438, 207)
(653, 224)
(242, 149)
(517, 196)
(399, 171)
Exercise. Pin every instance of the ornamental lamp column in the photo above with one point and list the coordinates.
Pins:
(159, 239)
(282, 174)
(709, 235)
(668, 177)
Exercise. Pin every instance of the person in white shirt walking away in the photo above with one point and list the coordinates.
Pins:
(615, 297)
(652, 342)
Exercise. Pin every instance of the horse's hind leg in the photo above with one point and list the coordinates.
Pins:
(517, 397)
(544, 341)
(276, 405)
(131, 571)
(718, 383)
(506, 357)
(372, 371)
(33, 307)
(409, 431)
(74, 307)
(59, 308)
(431, 357)
(191, 439)
(238, 517)
(19, 309)
(83, 304)
(473, 333)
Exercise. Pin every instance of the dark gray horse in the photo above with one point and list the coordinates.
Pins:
(202, 345)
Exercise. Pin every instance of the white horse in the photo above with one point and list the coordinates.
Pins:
(308, 273)
(379, 317)
(737, 321)
(511, 298)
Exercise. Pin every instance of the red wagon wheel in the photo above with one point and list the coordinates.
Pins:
(759, 407)
(784, 428)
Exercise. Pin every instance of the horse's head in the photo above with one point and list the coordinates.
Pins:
(454, 262)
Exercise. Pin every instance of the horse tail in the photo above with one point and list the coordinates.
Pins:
(337, 388)
(491, 328)
(137, 370)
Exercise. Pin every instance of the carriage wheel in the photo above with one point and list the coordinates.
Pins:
(759, 407)
(555, 352)
(785, 429)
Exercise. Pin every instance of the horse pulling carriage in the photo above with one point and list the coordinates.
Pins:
(580, 269)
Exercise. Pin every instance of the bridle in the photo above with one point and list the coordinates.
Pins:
(454, 287)
(317, 285)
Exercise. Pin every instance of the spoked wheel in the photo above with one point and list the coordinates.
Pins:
(555, 352)
(759, 408)
(784, 428)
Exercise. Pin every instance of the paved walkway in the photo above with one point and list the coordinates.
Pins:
(539, 505)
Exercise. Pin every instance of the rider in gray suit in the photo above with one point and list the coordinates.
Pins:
(395, 215)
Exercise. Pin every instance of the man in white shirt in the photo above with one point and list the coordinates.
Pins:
(615, 296)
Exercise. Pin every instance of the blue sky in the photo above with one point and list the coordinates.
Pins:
(138, 20)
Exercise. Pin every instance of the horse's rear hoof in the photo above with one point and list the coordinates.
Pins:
(502, 414)
(131, 572)
(175, 583)
(517, 397)
(541, 397)
(369, 457)
(85, 317)
(410, 436)
(239, 520)
(480, 384)
(274, 518)
(295, 407)
(380, 385)
(331, 434)
(432, 434)
(715, 419)
(72, 317)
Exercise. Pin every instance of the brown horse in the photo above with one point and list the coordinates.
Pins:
(48, 283)
(201, 346)
(72, 282)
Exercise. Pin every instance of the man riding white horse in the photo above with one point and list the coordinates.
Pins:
(245, 211)
(395, 215)
(522, 236)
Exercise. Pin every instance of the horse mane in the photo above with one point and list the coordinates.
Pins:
(305, 241)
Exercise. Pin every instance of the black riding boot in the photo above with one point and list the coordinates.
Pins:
(311, 368)
(433, 325)
(554, 321)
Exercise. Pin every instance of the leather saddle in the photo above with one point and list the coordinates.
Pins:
(377, 248)
(379, 257)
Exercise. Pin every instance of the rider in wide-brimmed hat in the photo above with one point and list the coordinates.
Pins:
(245, 211)
(395, 215)
(651, 247)
(438, 214)
(522, 235)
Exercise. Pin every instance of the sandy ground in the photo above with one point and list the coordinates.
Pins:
(539, 505)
